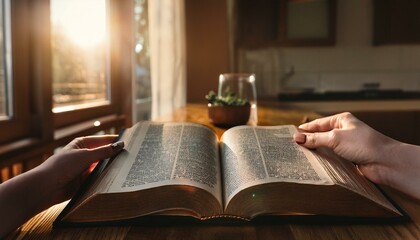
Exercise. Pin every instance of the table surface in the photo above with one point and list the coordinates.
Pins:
(40, 226)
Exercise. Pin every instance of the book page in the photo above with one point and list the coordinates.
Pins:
(166, 154)
(347, 174)
(257, 155)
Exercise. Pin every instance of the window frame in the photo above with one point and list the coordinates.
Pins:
(66, 118)
(37, 131)
(18, 77)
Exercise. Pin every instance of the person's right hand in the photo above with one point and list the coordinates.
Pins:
(381, 159)
(353, 140)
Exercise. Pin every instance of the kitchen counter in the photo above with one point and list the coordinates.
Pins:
(335, 106)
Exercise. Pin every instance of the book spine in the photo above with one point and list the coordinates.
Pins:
(224, 216)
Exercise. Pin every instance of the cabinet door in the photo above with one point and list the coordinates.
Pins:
(285, 23)
(307, 23)
(396, 22)
(401, 125)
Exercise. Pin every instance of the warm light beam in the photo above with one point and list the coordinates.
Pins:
(83, 22)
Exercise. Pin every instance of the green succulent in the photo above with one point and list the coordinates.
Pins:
(230, 99)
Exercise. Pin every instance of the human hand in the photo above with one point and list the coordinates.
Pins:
(67, 169)
(53, 181)
(353, 140)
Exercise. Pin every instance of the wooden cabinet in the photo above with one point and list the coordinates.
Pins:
(401, 125)
(396, 22)
(284, 23)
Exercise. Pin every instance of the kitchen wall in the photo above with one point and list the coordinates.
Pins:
(207, 46)
(353, 63)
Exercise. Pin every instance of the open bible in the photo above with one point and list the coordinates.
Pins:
(183, 169)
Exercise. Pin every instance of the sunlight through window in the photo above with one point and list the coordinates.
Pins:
(79, 54)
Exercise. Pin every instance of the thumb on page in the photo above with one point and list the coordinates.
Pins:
(313, 140)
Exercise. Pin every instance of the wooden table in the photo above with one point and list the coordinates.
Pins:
(40, 226)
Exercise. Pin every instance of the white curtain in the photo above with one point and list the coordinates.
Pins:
(168, 65)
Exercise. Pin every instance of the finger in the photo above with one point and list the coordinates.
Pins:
(92, 141)
(96, 141)
(315, 140)
(299, 138)
(104, 152)
(324, 124)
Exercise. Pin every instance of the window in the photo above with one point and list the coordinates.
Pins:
(142, 81)
(85, 80)
(80, 60)
(64, 73)
(14, 103)
(4, 92)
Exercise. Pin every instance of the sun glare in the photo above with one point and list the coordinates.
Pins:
(83, 22)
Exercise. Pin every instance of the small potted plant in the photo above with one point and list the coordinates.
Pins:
(228, 110)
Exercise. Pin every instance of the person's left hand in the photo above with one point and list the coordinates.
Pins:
(53, 181)
(69, 168)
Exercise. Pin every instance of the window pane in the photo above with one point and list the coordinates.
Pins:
(142, 50)
(5, 91)
(143, 91)
(79, 54)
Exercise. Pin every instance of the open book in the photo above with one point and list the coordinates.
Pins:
(182, 169)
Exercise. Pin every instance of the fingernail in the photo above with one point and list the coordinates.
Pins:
(117, 146)
(299, 138)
